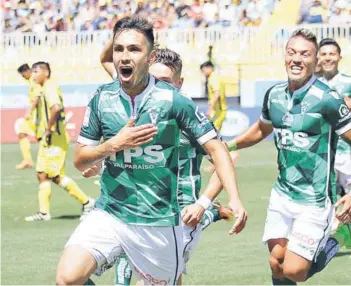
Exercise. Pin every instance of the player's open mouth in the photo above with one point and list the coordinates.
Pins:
(296, 69)
(126, 72)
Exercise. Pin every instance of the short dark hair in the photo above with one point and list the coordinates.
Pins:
(135, 23)
(207, 64)
(327, 42)
(42, 65)
(307, 35)
(169, 58)
(23, 68)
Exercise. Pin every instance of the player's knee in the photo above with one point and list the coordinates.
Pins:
(42, 177)
(295, 273)
(57, 180)
(276, 267)
(65, 279)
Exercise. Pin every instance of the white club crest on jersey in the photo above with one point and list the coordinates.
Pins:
(304, 107)
(153, 116)
(287, 119)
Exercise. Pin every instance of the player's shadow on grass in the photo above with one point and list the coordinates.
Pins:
(67, 217)
(344, 253)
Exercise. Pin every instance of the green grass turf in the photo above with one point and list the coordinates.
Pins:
(30, 251)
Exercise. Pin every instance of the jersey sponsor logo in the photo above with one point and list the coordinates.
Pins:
(201, 117)
(279, 101)
(286, 138)
(304, 238)
(150, 278)
(343, 110)
(152, 154)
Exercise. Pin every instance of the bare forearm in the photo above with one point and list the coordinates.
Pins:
(89, 156)
(225, 169)
(255, 134)
(213, 188)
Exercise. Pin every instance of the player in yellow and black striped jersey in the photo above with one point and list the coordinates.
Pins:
(217, 104)
(26, 126)
(53, 145)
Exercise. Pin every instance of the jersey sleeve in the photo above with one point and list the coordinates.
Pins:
(215, 82)
(52, 95)
(192, 120)
(90, 133)
(265, 118)
(336, 112)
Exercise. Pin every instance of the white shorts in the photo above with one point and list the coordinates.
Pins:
(191, 238)
(306, 227)
(344, 180)
(154, 253)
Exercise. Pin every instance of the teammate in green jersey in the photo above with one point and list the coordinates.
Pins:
(137, 211)
(329, 58)
(307, 117)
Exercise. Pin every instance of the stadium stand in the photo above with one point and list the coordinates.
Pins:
(240, 53)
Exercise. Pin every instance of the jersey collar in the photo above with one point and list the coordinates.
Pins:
(140, 96)
(336, 76)
(303, 88)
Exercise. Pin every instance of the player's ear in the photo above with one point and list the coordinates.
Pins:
(181, 80)
(152, 57)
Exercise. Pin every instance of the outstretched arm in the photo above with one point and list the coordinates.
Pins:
(255, 134)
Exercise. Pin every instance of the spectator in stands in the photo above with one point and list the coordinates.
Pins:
(339, 13)
(90, 15)
(181, 7)
(229, 14)
(315, 14)
(186, 21)
(209, 11)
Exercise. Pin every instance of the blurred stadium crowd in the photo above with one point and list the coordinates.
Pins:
(91, 15)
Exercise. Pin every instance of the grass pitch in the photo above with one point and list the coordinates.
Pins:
(30, 251)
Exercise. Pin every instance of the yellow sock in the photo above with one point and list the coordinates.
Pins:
(44, 197)
(25, 149)
(72, 188)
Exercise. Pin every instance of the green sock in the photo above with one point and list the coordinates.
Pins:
(343, 235)
(89, 282)
(123, 272)
(210, 216)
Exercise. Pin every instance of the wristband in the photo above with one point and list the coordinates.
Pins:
(204, 201)
(232, 146)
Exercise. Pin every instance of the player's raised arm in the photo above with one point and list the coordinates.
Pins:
(106, 58)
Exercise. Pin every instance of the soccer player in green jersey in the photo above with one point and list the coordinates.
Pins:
(329, 58)
(137, 211)
(307, 117)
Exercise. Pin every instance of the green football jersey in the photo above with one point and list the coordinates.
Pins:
(342, 84)
(189, 181)
(139, 185)
(306, 126)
